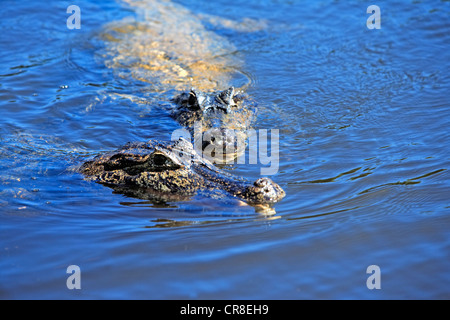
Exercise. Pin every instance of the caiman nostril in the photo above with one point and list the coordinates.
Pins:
(261, 182)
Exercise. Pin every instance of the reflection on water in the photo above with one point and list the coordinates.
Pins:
(167, 223)
(362, 115)
(264, 210)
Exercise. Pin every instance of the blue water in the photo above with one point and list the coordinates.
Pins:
(363, 117)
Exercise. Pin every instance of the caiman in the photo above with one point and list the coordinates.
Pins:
(165, 169)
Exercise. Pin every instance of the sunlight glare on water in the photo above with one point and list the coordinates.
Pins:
(363, 149)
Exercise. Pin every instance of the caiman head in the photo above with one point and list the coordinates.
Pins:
(168, 169)
(219, 121)
(223, 101)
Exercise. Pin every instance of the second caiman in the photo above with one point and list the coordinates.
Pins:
(164, 169)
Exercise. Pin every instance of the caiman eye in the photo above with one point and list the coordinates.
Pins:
(192, 100)
(159, 161)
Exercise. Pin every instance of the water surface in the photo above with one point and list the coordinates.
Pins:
(363, 117)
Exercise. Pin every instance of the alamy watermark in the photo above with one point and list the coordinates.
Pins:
(74, 20)
(231, 146)
(74, 280)
(374, 280)
(374, 21)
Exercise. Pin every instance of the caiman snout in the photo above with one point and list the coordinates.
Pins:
(264, 190)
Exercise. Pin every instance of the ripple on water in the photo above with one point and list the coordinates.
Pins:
(363, 120)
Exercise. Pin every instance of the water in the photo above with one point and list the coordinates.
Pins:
(363, 117)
